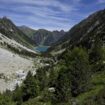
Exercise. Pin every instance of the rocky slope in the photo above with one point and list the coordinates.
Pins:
(15, 58)
(10, 30)
(15, 62)
(11, 65)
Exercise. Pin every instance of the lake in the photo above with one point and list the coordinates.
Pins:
(41, 48)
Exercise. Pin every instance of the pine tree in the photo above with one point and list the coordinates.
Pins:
(30, 87)
(80, 72)
(74, 74)
(97, 55)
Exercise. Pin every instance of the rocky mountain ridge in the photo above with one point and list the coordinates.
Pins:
(42, 36)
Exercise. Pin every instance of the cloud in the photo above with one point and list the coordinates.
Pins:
(46, 13)
(45, 3)
(101, 1)
(51, 14)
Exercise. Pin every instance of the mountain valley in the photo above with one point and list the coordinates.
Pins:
(41, 67)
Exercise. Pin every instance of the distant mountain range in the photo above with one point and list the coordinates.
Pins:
(42, 36)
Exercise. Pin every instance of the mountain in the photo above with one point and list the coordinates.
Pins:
(75, 76)
(10, 30)
(84, 32)
(16, 55)
(81, 63)
(56, 35)
(28, 31)
(42, 36)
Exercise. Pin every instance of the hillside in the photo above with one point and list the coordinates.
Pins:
(15, 55)
(28, 31)
(84, 32)
(15, 62)
(10, 65)
(8, 28)
(42, 36)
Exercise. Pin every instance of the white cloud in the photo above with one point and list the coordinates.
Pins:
(51, 14)
(52, 3)
(42, 13)
(101, 1)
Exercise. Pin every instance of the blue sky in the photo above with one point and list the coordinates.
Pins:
(49, 14)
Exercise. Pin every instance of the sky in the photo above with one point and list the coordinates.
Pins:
(49, 14)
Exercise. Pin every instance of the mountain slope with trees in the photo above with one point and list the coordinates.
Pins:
(84, 32)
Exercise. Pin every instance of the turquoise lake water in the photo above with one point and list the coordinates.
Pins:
(41, 48)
